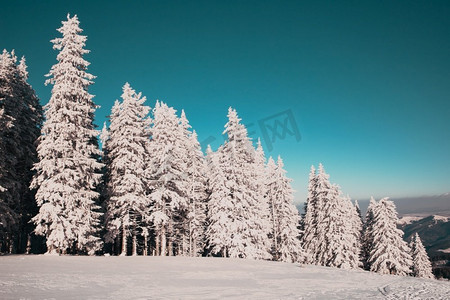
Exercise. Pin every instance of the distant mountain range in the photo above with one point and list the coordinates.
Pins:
(435, 234)
(418, 206)
(433, 230)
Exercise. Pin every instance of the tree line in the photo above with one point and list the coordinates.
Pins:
(152, 191)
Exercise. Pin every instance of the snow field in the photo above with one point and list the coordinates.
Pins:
(82, 277)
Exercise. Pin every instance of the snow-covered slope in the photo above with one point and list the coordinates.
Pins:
(71, 277)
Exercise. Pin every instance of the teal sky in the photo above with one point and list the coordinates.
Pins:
(366, 82)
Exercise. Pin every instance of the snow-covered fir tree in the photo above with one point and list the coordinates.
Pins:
(421, 266)
(20, 118)
(168, 179)
(341, 224)
(220, 205)
(324, 192)
(351, 241)
(246, 228)
(309, 222)
(284, 215)
(331, 227)
(389, 253)
(28, 125)
(260, 181)
(68, 170)
(9, 183)
(367, 237)
(127, 209)
(194, 220)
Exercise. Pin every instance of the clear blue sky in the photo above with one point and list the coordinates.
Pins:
(367, 82)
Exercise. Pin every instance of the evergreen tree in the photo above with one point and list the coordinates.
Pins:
(68, 170)
(20, 118)
(331, 227)
(310, 219)
(249, 237)
(191, 232)
(324, 193)
(342, 245)
(168, 180)
(367, 237)
(10, 183)
(284, 215)
(30, 120)
(351, 241)
(389, 253)
(260, 179)
(127, 146)
(220, 205)
(421, 266)
(243, 215)
(197, 184)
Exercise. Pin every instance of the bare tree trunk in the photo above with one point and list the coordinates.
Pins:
(158, 244)
(170, 238)
(28, 251)
(275, 232)
(134, 251)
(11, 244)
(124, 241)
(145, 245)
(163, 241)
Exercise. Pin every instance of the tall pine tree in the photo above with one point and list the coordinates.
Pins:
(389, 253)
(421, 266)
(128, 148)
(168, 179)
(309, 221)
(284, 215)
(20, 119)
(68, 170)
(239, 216)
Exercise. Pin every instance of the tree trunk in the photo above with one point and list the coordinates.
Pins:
(163, 241)
(28, 251)
(124, 241)
(275, 232)
(170, 238)
(158, 244)
(134, 251)
(145, 245)
(11, 245)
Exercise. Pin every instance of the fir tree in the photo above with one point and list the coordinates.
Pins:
(249, 237)
(389, 253)
(284, 215)
(260, 179)
(191, 232)
(127, 146)
(196, 191)
(220, 205)
(68, 171)
(10, 183)
(367, 237)
(168, 180)
(324, 193)
(240, 216)
(310, 219)
(421, 266)
(20, 120)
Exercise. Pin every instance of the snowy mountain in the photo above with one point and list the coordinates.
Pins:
(81, 277)
(419, 206)
(435, 233)
(434, 230)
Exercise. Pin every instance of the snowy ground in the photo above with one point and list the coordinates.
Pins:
(71, 277)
